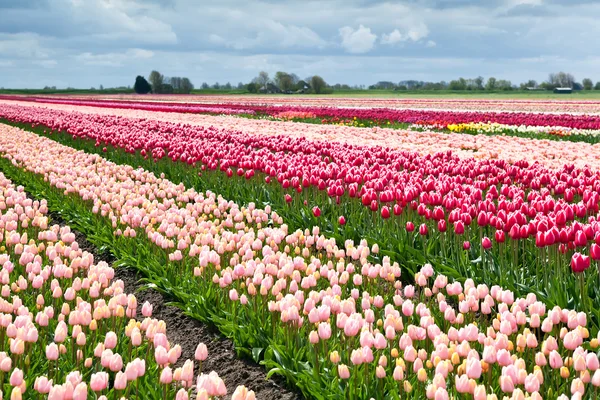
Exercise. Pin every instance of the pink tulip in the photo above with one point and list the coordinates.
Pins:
(242, 393)
(166, 376)
(42, 385)
(213, 385)
(147, 309)
(182, 394)
(16, 378)
(201, 353)
(99, 381)
(506, 384)
(52, 352)
(343, 371)
(81, 391)
(110, 341)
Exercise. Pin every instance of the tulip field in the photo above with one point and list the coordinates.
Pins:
(354, 248)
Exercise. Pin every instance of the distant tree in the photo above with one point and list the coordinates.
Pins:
(503, 84)
(561, 79)
(176, 83)
(384, 85)
(479, 82)
(459, 84)
(295, 79)
(402, 87)
(491, 84)
(301, 85)
(216, 86)
(240, 86)
(284, 81)
(141, 85)
(597, 87)
(318, 84)
(587, 84)
(262, 79)
(101, 87)
(529, 84)
(227, 86)
(156, 80)
(166, 88)
(252, 87)
(186, 86)
(204, 85)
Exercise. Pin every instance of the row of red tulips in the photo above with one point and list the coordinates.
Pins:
(380, 115)
(525, 221)
(355, 331)
(519, 199)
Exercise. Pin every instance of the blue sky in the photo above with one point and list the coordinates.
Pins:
(85, 43)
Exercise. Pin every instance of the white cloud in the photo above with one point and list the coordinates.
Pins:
(414, 33)
(393, 37)
(22, 45)
(418, 32)
(120, 21)
(515, 3)
(113, 59)
(46, 63)
(357, 41)
(270, 33)
(430, 43)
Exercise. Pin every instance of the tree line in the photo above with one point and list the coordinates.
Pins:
(284, 82)
(555, 80)
(162, 84)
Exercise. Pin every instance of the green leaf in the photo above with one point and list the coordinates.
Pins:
(256, 353)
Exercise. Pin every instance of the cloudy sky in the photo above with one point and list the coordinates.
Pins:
(85, 43)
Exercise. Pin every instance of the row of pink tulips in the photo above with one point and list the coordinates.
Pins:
(410, 116)
(435, 339)
(68, 330)
(509, 201)
(476, 104)
(550, 154)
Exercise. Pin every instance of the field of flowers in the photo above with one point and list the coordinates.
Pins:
(358, 249)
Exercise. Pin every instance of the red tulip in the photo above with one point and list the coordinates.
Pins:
(486, 243)
(397, 209)
(316, 211)
(482, 219)
(540, 239)
(410, 226)
(288, 198)
(342, 220)
(579, 263)
(499, 236)
(580, 239)
(595, 252)
(385, 212)
(442, 225)
(374, 205)
(423, 230)
(466, 245)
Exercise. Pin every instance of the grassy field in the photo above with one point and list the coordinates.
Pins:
(517, 94)
(522, 95)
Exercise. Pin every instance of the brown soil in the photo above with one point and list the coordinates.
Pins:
(188, 332)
